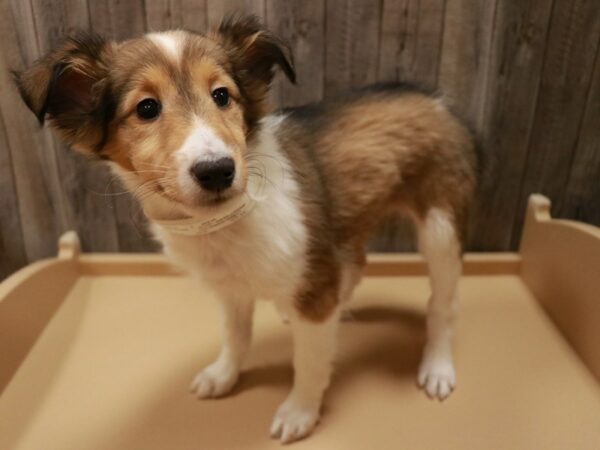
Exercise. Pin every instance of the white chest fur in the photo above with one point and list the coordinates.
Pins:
(262, 254)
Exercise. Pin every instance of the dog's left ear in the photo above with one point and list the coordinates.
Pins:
(254, 51)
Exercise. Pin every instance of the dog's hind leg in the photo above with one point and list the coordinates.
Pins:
(439, 243)
(351, 272)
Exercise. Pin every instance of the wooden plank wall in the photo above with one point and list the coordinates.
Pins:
(525, 74)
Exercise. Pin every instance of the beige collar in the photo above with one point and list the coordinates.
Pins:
(211, 220)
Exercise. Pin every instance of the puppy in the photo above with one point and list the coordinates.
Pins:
(276, 206)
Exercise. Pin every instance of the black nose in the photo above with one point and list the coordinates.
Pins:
(214, 175)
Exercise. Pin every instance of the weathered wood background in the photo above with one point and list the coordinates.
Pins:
(526, 73)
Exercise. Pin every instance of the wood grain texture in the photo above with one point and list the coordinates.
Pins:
(301, 25)
(12, 246)
(524, 74)
(581, 198)
(42, 209)
(217, 9)
(518, 44)
(566, 76)
(169, 14)
(395, 234)
(160, 15)
(465, 56)
(118, 19)
(351, 42)
(193, 15)
(411, 37)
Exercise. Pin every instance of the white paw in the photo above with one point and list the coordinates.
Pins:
(293, 422)
(214, 381)
(436, 376)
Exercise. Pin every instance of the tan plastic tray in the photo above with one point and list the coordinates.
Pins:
(97, 352)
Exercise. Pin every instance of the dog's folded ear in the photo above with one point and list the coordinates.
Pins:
(255, 50)
(253, 54)
(70, 87)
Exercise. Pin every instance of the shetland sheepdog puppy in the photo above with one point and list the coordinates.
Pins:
(259, 205)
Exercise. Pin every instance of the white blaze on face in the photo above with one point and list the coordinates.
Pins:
(202, 144)
(170, 42)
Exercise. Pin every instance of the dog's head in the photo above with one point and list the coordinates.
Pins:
(174, 111)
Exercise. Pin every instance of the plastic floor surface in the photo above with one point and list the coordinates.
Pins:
(112, 369)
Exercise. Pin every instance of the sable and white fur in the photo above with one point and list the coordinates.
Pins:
(323, 176)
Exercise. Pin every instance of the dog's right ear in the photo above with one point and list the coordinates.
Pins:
(70, 87)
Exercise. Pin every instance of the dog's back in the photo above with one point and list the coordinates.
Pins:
(391, 146)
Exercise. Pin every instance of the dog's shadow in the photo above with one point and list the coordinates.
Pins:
(382, 341)
(394, 349)
(394, 343)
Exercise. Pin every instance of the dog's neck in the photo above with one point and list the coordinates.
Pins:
(208, 219)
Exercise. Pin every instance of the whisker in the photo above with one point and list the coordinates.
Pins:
(255, 157)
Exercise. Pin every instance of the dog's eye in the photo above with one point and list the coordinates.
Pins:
(148, 109)
(221, 97)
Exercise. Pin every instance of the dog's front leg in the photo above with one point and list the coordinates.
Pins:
(220, 377)
(314, 348)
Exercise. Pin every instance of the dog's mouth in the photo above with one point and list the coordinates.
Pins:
(196, 202)
(215, 199)
(207, 200)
